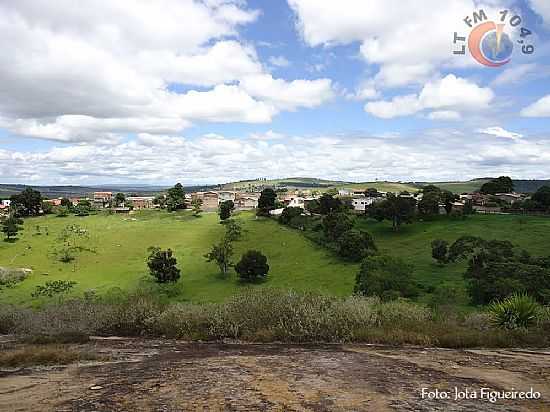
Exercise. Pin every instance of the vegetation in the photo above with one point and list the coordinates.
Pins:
(27, 203)
(163, 265)
(53, 288)
(502, 184)
(11, 225)
(252, 266)
(175, 198)
(266, 202)
(39, 355)
(196, 205)
(516, 311)
(221, 253)
(396, 209)
(225, 210)
(355, 245)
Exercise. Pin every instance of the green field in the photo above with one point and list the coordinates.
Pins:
(121, 244)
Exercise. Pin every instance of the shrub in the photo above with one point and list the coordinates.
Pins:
(387, 277)
(335, 224)
(252, 266)
(162, 265)
(290, 213)
(440, 249)
(52, 288)
(516, 311)
(356, 245)
(53, 355)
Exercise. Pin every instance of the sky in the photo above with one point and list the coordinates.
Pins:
(213, 91)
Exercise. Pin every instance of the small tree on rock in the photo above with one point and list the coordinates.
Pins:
(163, 265)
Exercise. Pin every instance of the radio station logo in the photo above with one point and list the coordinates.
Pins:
(492, 42)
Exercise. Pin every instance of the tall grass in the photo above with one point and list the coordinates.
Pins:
(266, 315)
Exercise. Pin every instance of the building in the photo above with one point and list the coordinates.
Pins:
(5, 202)
(141, 202)
(210, 200)
(360, 203)
(509, 197)
(102, 199)
(224, 196)
(246, 201)
(53, 202)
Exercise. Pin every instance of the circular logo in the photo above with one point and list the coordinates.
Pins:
(489, 45)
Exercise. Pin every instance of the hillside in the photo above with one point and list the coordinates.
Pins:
(521, 186)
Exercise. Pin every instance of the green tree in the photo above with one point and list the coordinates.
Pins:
(386, 277)
(175, 199)
(11, 225)
(329, 204)
(62, 211)
(429, 205)
(252, 266)
(66, 203)
(396, 209)
(266, 203)
(440, 249)
(196, 204)
(289, 213)
(448, 198)
(502, 184)
(47, 208)
(27, 203)
(221, 254)
(233, 230)
(355, 245)
(83, 208)
(224, 210)
(336, 224)
(163, 265)
(542, 197)
(120, 198)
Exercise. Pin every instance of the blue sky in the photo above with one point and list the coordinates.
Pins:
(218, 90)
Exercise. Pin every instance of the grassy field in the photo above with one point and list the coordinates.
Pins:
(462, 187)
(121, 244)
(121, 249)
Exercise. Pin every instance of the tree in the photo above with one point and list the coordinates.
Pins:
(289, 213)
(62, 211)
(397, 209)
(120, 198)
(175, 198)
(429, 205)
(440, 249)
(448, 198)
(225, 209)
(11, 225)
(356, 245)
(221, 254)
(252, 266)
(66, 203)
(502, 184)
(542, 197)
(47, 208)
(163, 265)
(83, 208)
(386, 277)
(266, 203)
(71, 241)
(233, 230)
(372, 192)
(196, 204)
(27, 203)
(329, 204)
(336, 224)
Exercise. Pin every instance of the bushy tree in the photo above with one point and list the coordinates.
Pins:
(542, 197)
(502, 184)
(252, 266)
(175, 198)
(289, 213)
(27, 203)
(233, 230)
(62, 211)
(429, 204)
(224, 210)
(266, 202)
(11, 225)
(386, 277)
(448, 198)
(440, 249)
(356, 245)
(163, 265)
(396, 209)
(47, 208)
(83, 208)
(196, 204)
(120, 198)
(329, 204)
(336, 224)
(221, 254)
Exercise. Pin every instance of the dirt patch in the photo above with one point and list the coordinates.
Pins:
(164, 375)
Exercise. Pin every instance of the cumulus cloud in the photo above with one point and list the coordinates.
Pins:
(542, 8)
(211, 158)
(104, 68)
(279, 61)
(403, 38)
(449, 94)
(541, 108)
(498, 131)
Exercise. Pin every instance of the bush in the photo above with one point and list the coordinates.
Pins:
(53, 288)
(335, 224)
(440, 249)
(290, 213)
(356, 245)
(386, 277)
(252, 266)
(162, 265)
(516, 311)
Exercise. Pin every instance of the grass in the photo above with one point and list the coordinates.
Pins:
(42, 355)
(121, 244)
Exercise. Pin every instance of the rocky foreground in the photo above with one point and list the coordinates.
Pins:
(166, 375)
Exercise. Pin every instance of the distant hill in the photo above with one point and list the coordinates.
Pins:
(521, 186)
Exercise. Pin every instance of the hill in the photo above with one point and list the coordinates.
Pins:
(521, 186)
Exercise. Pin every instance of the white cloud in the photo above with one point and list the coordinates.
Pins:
(269, 135)
(279, 61)
(105, 68)
(500, 132)
(408, 40)
(541, 108)
(444, 115)
(213, 158)
(450, 93)
(516, 74)
(542, 8)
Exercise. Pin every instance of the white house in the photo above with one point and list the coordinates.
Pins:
(360, 203)
(224, 196)
(5, 202)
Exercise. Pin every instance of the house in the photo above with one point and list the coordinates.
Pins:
(276, 212)
(102, 199)
(224, 196)
(53, 202)
(361, 202)
(246, 201)
(509, 197)
(210, 200)
(141, 202)
(344, 192)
